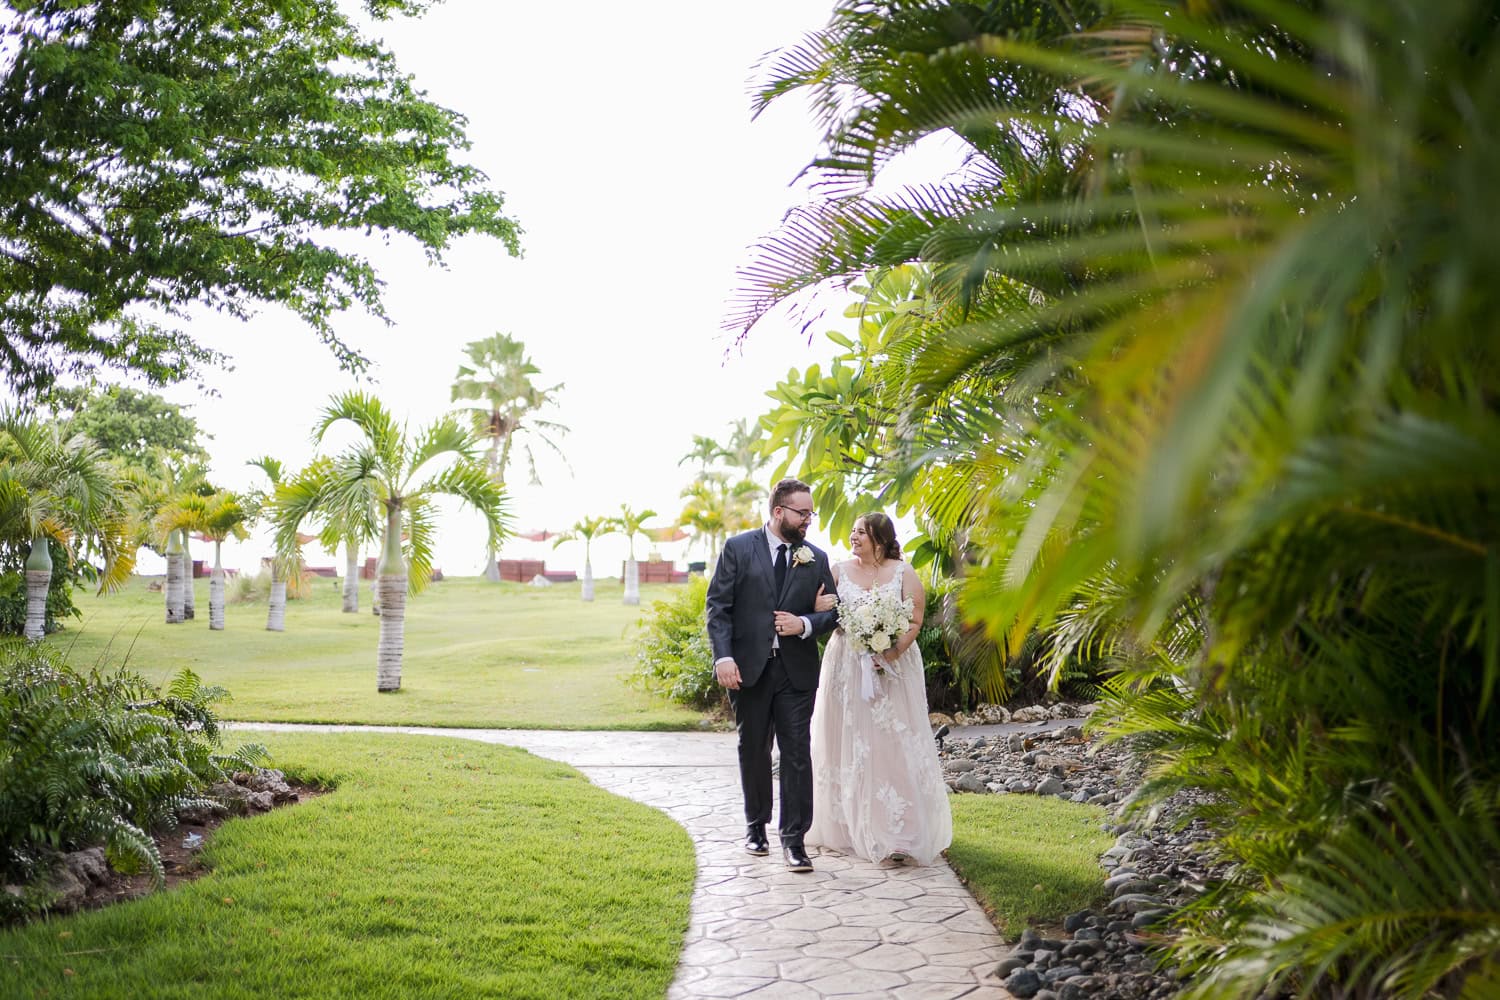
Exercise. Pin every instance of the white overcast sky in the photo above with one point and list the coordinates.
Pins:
(622, 139)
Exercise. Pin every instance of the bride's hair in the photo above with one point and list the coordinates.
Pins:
(882, 532)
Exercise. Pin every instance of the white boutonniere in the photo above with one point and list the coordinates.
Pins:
(802, 555)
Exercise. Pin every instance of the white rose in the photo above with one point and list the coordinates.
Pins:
(880, 642)
(802, 555)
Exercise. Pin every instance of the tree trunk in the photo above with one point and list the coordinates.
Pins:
(491, 565)
(588, 578)
(351, 579)
(632, 581)
(392, 589)
(187, 579)
(375, 583)
(38, 582)
(174, 579)
(392, 632)
(216, 594)
(276, 610)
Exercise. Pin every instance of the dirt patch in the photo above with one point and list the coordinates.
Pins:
(179, 864)
(83, 881)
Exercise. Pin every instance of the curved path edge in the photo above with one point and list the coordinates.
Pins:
(851, 928)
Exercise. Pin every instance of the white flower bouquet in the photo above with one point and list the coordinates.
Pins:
(873, 623)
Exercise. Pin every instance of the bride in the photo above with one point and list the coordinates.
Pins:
(877, 784)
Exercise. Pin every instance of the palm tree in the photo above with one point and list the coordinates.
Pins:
(345, 503)
(585, 530)
(705, 451)
(743, 452)
(399, 469)
(165, 479)
(62, 489)
(265, 506)
(717, 508)
(499, 378)
(628, 523)
(224, 518)
(216, 518)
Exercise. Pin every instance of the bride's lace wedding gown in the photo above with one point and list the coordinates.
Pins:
(877, 785)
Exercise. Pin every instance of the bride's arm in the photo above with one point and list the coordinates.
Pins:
(826, 601)
(911, 587)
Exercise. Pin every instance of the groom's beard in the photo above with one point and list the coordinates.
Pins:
(791, 535)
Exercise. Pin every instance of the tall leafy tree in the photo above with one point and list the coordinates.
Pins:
(498, 379)
(162, 153)
(128, 424)
(1212, 354)
(406, 470)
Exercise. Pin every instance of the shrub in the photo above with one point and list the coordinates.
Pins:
(243, 588)
(100, 758)
(673, 652)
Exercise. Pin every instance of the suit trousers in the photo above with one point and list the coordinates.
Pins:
(772, 709)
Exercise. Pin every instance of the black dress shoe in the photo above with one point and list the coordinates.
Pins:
(755, 840)
(796, 858)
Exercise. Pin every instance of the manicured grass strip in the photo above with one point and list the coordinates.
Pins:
(478, 654)
(1028, 858)
(438, 868)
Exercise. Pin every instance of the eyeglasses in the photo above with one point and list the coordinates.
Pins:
(803, 514)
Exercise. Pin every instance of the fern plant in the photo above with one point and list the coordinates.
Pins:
(101, 758)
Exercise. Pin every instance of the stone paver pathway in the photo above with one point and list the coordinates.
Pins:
(849, 929)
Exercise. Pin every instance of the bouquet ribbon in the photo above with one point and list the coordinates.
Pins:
(867, 677)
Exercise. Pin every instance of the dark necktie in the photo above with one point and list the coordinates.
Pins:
(780, 569)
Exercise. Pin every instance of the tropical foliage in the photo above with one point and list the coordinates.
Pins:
(498, 380)
(58, 491)
(404, 471)
(1202, 384)
(630, 522)
(722, 499)
(672, 651)
(100, 758)
(585, 530)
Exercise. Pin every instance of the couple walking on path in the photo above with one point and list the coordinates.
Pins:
(852, 729)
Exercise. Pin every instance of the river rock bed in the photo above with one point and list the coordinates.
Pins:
(1153, 867)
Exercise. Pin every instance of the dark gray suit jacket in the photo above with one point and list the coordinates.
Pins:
(742, 607)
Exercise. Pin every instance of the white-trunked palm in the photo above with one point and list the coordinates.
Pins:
(404, 471)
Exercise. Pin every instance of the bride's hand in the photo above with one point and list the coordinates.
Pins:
(825, 602)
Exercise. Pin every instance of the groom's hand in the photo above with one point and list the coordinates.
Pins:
(788, 624)
(727, 673)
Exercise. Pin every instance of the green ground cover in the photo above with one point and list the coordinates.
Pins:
(1028, 858)
(477, 655)
(437, 868)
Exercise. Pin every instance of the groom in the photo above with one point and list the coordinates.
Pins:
(764, 633)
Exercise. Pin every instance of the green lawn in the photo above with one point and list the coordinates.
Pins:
(437, 868)
(1028, 858)
(477, 655)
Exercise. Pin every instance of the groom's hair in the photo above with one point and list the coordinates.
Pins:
(786, 488)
